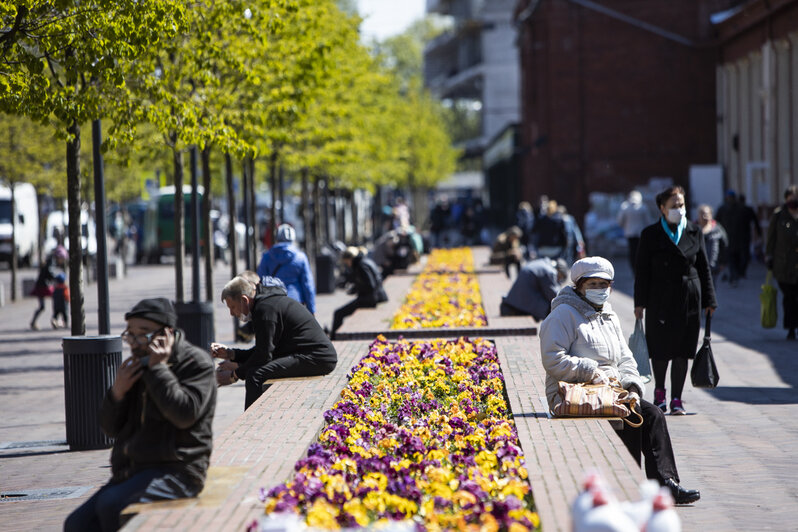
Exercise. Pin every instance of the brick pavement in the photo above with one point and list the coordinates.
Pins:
(263, 444)
(31, 389)
(738, 448)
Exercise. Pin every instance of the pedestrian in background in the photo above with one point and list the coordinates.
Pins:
(44, 281)
(507, 249)
(672, 286)
(536, 285)
(730, 216)
(366, 284)
(440, 219)
(290, 264)
(633, 218)
(525, 220)
(715, 240)
(574, 242)
(550, 234)
(782, 256)
(750, 224)
(60, 302)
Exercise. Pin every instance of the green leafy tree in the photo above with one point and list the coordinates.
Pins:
(63, 65)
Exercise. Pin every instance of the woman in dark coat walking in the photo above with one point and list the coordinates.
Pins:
(674, 283)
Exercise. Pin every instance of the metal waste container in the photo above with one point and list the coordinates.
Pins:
(196, 320)
(325, 274)
(90, 364)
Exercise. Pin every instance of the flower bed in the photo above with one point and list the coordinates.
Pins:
(440, 300)
(455, 260)
(422, 433)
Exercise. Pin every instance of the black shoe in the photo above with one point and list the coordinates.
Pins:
(791, 334)
(680, 494)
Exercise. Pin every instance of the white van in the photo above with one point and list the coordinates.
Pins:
(57, 228)
(26, 230)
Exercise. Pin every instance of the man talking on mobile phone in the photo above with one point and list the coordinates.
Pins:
(160, 411)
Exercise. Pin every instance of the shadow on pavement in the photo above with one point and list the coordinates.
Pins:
(736, 325)
(755, 396)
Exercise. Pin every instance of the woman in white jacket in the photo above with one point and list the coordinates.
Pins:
(581, 341)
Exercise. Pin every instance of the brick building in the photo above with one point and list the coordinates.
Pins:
(614, 93)
(757, 93)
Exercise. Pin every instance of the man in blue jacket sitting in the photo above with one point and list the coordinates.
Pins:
(291, 266)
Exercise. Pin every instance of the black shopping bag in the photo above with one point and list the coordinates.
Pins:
(705, 373)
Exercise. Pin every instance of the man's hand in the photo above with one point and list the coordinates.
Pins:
(224, 377)
(220, 351)
(709, 311)
(161, 347)
(639, 312)
(228, 366)
(126, 376)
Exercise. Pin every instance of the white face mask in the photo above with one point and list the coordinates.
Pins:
(597, 296)
(245, 318)
(675, 215)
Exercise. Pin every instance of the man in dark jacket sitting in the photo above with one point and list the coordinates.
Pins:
(160, 411)
(289, 342)
(366, 284)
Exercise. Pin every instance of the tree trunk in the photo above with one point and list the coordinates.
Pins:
(340, 216)
(253, 242)
(180, 246)
(14, 255)
(245, 204)
(76, 307)
(307, 218)
(273, 192)
(326, 214)
(231, 215)
(354, 206)
(281, 175)
(316, 225)
(207, 234)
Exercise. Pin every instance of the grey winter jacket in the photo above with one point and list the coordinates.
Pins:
(576, 339)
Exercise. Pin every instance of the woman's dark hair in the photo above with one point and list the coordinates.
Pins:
(792, 190)
(666, 194)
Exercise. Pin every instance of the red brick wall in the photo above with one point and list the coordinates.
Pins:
(607, 105)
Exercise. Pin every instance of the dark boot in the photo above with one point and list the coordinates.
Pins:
(681, 495)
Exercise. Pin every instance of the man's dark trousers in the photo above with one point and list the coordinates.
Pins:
(101, 512)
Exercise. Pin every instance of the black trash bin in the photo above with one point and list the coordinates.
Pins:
(90, 364)
(325, 274)
(196, 320)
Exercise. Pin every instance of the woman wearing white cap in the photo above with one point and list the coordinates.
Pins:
(581, 341)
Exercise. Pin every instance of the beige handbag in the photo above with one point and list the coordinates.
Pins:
(579, 399)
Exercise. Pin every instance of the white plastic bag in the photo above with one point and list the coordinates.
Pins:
(637, 343)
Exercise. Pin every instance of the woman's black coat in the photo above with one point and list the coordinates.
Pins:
(674, 284)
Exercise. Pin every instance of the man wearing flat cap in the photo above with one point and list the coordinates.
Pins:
(159, 412)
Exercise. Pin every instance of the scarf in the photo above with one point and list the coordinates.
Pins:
(674, 236)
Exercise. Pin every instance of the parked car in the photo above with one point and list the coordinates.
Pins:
(26, 226)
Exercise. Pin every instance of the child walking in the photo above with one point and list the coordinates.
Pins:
(60, 301)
